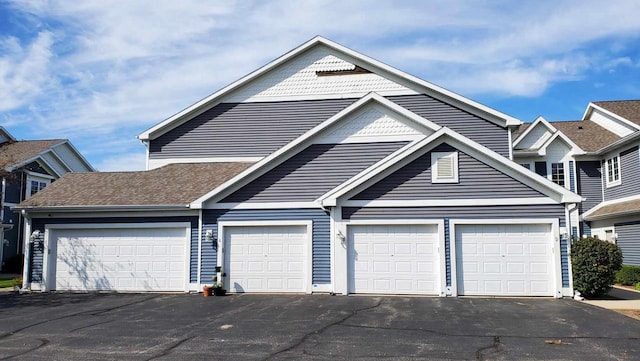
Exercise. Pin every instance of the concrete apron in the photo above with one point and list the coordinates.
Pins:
(626, 300)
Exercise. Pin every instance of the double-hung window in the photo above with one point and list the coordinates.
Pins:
(613, 171)
(557, 173)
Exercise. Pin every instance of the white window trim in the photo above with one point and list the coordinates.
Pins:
(35, 178)
(435, 157)
(565, 173)
(609, 183)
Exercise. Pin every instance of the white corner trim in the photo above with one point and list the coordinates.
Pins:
(222, 247)
(157, 163)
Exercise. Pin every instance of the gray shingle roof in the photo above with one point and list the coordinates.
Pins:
(586, 134)
(632, 206)
(628, 109)
(174, 184)
(12, 153)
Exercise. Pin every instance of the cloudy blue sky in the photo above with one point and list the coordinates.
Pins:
(100, 72)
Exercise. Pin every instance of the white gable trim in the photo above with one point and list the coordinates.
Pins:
(74, 150)
(558, 134)
(6, 134)
(375, 66)
(539, 120)
(491, 158)
(591, 107)
(283, 153)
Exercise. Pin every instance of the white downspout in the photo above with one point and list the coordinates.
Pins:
(26, 285)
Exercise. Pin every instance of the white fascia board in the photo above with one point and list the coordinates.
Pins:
(210, 100)
(263, 164)
(473, 107)
(514, 170)
(611, 114)
(558, 134)
(36, 157)
(77, 154)
(466, 104)
(478, 151)
(469, 202)
(266, 205)
(539, 120)
(620, 142)
(7, 134)
(330, 198)
(157, 163)
(98, 208)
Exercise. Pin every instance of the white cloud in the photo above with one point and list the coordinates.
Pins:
(112, 69)
(23, 69)
(122, 162)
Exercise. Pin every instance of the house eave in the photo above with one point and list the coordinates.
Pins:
(102, 208)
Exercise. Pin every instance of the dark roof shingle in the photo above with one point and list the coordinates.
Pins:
(174, 184)
(628, 109)
(586, 134)
(12, 153)
(632, 206)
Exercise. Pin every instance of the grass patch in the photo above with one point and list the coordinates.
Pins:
(10, 282)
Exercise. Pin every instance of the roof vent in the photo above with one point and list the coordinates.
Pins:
(580, 127)
(356, 70)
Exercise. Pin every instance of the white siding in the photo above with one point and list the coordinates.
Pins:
(612, 125)
(297, 78)
(536, 138)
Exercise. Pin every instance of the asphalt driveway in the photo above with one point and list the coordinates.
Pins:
(314, 327)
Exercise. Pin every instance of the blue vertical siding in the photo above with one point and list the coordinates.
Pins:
(40, 223)
(447, 250)
(572, 177)
(564, 260)
(321, 251)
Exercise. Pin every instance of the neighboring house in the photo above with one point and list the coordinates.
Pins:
(27, 167)
(597, 157)
(323, 171)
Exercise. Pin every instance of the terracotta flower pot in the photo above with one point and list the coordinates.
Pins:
(206, 291)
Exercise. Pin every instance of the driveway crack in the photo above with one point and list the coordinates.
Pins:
(168, 350)
(495, 346)
(89, 312)
(319, 331)
(43, 343)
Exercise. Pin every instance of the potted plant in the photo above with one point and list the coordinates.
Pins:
(206, 290)
(218, 289)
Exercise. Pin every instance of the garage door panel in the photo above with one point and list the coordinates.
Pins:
(110, 259)
(504, 260)
(393, 259)
(266, 258)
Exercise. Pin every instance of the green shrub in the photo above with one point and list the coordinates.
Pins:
(628, 275)
(638, 286)
(595, 263)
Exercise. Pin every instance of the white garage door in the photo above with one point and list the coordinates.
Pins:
(504, 260)
(147, 259)
(393, 259)
(266, 258)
